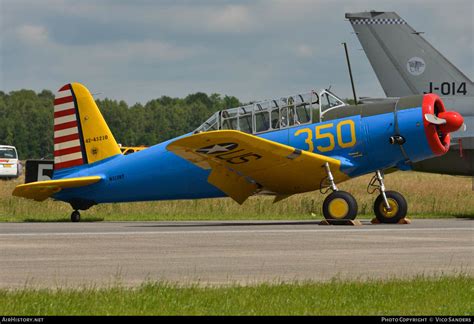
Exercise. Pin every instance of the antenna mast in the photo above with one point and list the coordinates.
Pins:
(350, 73)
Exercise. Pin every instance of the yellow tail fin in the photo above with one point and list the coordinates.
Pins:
(81, 135)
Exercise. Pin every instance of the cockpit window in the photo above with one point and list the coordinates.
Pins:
(275, 118)
(245, 123)
(229, 118)
(212, 123)
(269, 115)
(328, 100)
(262, 121)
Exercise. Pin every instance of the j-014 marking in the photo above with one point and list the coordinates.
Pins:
(448, 88)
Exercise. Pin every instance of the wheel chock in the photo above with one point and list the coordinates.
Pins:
(403, 221)
(340, 222)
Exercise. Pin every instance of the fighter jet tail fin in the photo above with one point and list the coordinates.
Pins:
(404, 62)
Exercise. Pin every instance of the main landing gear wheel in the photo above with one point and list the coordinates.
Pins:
(75, 216)
(340, 205)
(398, 207)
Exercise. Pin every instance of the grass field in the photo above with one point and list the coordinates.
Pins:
(418, 296)
(428, 195)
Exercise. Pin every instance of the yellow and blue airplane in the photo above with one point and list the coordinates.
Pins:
(279, 147)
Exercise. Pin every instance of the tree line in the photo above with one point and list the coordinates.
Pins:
(26, 119)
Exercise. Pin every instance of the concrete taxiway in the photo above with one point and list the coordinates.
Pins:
(103, 253)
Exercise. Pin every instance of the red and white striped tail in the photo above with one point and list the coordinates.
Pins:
(67, 138)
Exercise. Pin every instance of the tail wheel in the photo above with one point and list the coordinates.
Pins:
(398, 208)
(75, 216)
(340, 205)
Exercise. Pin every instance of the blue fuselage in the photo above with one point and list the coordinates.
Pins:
(361, 143)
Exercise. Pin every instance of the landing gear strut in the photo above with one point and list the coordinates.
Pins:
(75, 216)
(389, 206)
(338, 205)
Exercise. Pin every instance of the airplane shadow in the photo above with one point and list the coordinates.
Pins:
(466, 217)
(63, 220)
(230, 224)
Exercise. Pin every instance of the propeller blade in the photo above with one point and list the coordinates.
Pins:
(434, 120)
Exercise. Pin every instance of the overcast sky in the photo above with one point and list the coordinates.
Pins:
(143, 49)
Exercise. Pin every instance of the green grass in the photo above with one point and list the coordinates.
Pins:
(418, 296)
(428, 195)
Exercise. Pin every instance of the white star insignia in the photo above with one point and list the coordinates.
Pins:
(218, 148)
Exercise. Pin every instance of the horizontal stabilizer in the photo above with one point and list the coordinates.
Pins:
(42, 190)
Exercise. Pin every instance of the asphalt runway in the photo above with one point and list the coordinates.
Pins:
(101, 254)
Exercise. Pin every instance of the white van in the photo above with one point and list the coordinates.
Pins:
(10, 166)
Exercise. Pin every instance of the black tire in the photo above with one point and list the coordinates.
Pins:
(340, 205)
(75, 216)
(399, 208)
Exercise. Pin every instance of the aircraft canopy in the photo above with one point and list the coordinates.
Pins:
(270, 115)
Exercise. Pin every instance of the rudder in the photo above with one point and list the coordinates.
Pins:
(81, 135)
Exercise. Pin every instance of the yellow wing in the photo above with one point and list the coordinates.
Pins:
(244, 164)
(41, 190)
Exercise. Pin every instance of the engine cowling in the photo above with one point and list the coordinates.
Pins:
(439, 123)
(407, 130)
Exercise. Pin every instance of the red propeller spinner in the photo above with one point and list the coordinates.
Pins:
(439, 123)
